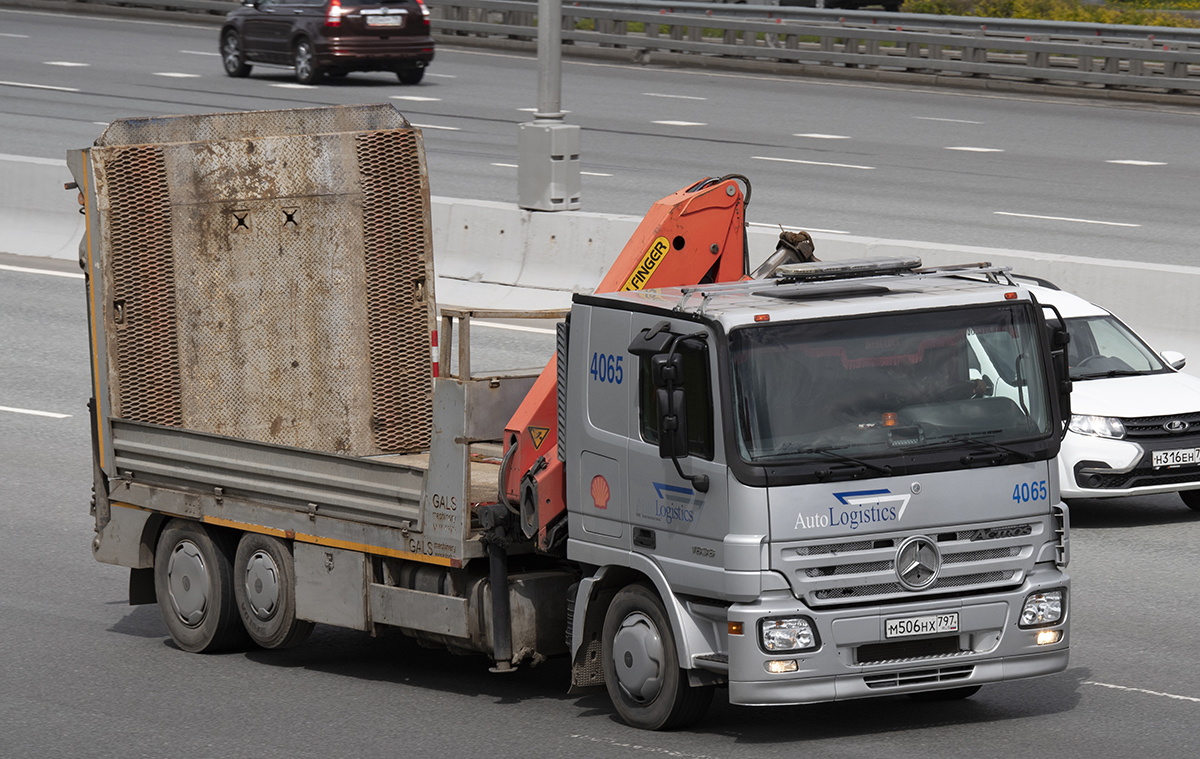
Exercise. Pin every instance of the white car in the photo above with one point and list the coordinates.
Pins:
(1135, 418)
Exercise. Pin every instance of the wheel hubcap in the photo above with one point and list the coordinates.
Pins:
(262, 585)
(303, 61)
(187, 583)
(232, 56)
(639, 658)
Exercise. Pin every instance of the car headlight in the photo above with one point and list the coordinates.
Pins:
(788, 634)
(1100, 426)
(1042, 608)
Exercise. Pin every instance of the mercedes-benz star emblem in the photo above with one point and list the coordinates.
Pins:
(917, 562)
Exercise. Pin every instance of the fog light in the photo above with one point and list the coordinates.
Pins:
(788, 634)
(1046, 637)
(779, 666)
(1041, 609)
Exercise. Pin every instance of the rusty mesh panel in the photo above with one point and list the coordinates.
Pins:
(145, 382)
(396, 248)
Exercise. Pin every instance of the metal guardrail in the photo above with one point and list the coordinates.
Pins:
(1112, 61)
(1115, 56)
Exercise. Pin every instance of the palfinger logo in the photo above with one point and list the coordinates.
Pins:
(654, 256)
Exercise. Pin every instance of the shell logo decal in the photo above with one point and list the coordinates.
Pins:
(600, 492)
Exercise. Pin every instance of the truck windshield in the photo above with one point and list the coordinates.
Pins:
(889, 384)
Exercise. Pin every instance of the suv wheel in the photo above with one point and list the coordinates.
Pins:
(410, 76)
(305, 60)
(1191, 499)
(231, 55)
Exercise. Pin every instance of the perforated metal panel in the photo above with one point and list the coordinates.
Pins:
(272, 273)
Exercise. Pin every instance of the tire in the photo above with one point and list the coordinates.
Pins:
(1191, 499)
(641, 668)
(232, 56)
(193, 581)
(950, 694)
(265, 587)
(410, 76)
(304, 58)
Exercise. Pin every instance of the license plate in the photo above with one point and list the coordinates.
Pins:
(385, 20)
(903, 627)
(1176, 457)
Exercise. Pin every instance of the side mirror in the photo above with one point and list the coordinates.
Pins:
(1174, 359)
(1060, 361)
(667, 371)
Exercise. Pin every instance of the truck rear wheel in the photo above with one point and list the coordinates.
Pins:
(193, 581)
(641, 668)
(265, 587)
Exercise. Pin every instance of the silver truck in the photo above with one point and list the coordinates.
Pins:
(833, 481)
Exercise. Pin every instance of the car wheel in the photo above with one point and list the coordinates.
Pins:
(304, 58)
(231, 55)
(950, 694)
(641, 668)
(1191, 499)
(410, 76)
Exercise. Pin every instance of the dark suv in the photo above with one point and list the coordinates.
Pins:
(332, 37)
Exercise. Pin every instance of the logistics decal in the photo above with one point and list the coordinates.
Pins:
(671, 504)
(654, 256)
(858, 508)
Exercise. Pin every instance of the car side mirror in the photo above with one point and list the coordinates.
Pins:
(667, 371)
(1174, 359)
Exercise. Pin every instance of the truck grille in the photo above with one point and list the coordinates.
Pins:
(858, 571)
(920, 676)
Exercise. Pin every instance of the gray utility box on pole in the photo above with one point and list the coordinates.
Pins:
(548, 173)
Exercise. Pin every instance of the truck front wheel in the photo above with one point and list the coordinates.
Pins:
(641, 668)
(265, 586)
(193, 581)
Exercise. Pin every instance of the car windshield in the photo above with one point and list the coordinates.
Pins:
(1101, 346)
(890, 384)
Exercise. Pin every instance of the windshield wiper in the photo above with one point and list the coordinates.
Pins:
(1000, 453)
(864, 465)
(1109, 373)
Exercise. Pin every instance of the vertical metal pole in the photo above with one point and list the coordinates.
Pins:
(549, 104)
(548, 177)
(501, 613)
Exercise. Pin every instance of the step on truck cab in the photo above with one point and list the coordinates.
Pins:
(831, 481)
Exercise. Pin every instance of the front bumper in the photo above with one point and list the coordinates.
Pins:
(1095, 467)
(991, 648)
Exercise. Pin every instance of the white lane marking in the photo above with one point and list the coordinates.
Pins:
(1066, 218)
(534, 110)
(1131, 162)
(98, 123)
(442, 76)
(65, 63)
(39, 86)
(586, 173)
(642, 747)
(18, 36)
(48, 272)
(198, 52)
(1143, 690)
(818, 136)
(680, 123)
(812, 163)
(32, 159)
(435, 126)
(294, 86)
(952, 121)
(514, 327)
(50, 414)
(673, 97)
(176, 75)
(594, 174)
(796, 229)
(416, 98)
(977, 150)
(505, 165)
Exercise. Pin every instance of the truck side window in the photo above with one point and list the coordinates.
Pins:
(698, 388)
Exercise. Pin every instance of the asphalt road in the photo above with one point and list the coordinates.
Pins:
(1082, 177)
(83, 674)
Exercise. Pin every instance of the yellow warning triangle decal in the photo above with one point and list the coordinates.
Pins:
(539, 436)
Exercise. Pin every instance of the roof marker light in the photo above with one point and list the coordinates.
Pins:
(1010, 296)
(762, 317)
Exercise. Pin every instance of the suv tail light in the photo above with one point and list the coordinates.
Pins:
(424, 12)
(334, 16)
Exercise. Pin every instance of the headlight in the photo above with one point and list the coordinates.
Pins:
(1100, 426)
(789, 634)
(1041, 609)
